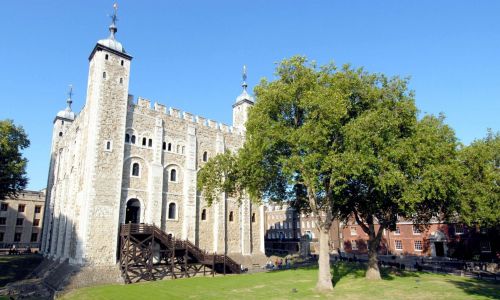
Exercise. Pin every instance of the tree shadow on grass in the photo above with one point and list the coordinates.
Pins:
(358, 270)
(477, 287)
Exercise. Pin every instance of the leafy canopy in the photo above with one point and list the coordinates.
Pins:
(13, 178)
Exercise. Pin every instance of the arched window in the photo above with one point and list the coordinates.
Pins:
(104, 75)
(204, 214)
(183, 149)
(205, 156)
(127, 138)
(135, 169)
(253, 218)
(231, 216)
(164, 147)
(132, 139)
(169, 146)
(178, 148)
(173, 175)
(172, 211)
(150, 143)
(144, 140)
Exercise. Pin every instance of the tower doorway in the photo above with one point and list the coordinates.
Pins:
(133, 211)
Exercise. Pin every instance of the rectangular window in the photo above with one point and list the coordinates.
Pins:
(4, 206)
(17, 237)
(38, 209)
(36, 222)
(398, 231)
(354, 245)
(19, 221)
(485, 246)
(416, 230)
(459, 229)
(1, 236)
(21, 208)
(34, 237)
(298, 224)
(418, 246)
(398, 245)
(353, 230)
(2, 221)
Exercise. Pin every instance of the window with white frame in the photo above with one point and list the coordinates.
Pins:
(398, 231)
(354, 245)
(353, 230)
(172, 211)
(398, 245)
(135, 169)
(485, 246)
(416, 229)
(419, 246)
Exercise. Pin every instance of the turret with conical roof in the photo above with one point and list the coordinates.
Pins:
(243, 102)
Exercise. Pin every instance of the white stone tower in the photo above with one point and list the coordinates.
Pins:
(106, 110)
(240, 108)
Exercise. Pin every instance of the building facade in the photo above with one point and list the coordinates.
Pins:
(120, 161)
(435, 239)
(288, 231)
(21, 220)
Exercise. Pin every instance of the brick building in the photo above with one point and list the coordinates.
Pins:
(288, 231)
(21, 220)
(434, 240)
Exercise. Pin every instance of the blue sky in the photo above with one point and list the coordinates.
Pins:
(189, 54)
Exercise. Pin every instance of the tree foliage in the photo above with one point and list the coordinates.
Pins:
(342, 142)
(481, 185)
(13, 140)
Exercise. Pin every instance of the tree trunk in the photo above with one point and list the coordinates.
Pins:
(373, 272)
(324, 275)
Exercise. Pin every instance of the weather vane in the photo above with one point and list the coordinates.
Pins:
(113, 17)
(70, 95)
(244, 73)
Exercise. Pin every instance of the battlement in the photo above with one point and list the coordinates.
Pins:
(181, 115)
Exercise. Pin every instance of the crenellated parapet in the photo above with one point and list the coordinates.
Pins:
(159, 110)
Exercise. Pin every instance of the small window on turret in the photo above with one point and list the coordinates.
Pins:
(121, 80)
(132, 139)
(150, 143)
(164, 147)
(60, 133)
(127, 138)
(122, 62)
(104, 75)
(169, 146)
(108, 145)
(144, 141)
(62, 122)
(106, 57)
(205, 156)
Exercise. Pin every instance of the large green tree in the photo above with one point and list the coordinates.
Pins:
(13, 140)
(338, 143)
(480, 190)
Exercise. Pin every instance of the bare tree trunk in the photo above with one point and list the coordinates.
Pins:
(324, 275)
(373, 272)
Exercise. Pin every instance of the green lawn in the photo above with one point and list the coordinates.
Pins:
(16, 267)
(349, 284)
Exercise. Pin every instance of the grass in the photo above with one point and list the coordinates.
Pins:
(299, 284)
(17, 267)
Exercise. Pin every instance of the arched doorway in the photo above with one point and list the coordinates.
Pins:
(133, 211)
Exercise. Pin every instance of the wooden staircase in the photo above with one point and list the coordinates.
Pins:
(148, 253)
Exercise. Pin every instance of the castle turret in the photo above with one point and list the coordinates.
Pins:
(106, 112)
(243, 102)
